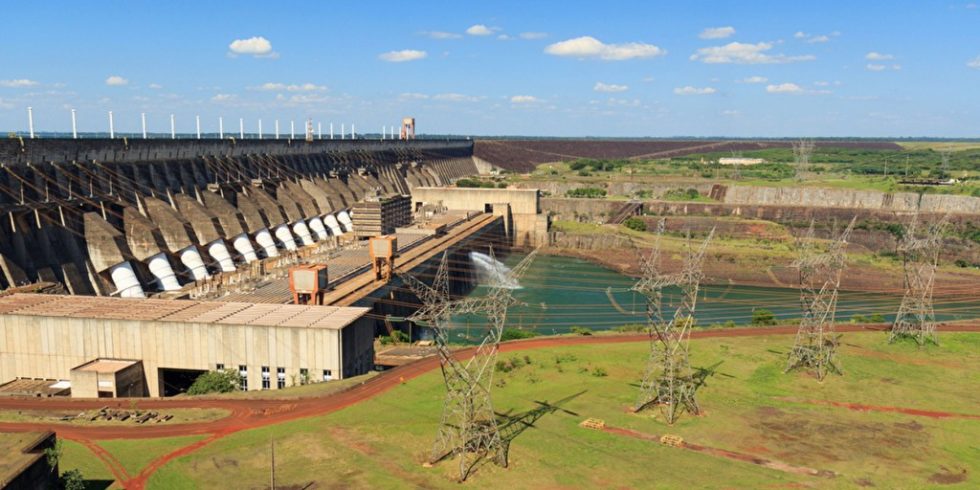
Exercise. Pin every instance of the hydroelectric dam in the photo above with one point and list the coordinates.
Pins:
(129, 266)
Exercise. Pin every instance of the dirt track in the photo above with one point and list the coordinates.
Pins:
(249, 413)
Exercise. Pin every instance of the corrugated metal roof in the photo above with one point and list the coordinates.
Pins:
(165, 310)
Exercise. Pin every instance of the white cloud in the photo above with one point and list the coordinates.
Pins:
(479, 30)
(815, 38)
(590, 47)
(533, 35)
(974, 63)
(442, 35)
(729, 113)
(224, 98)
(5, 105)
(784, 88)
(755, 79)
(116, 81)
(523, 99)
(504, 37)
(745, 54)
(155, 86)
(876, 56)
(881, 67)
(19, 83)
(717, 32)
(413, 96)
(689, 90)
(454, 97)
(609, 87)
(403, 55)
(303, 87)
(256, 46)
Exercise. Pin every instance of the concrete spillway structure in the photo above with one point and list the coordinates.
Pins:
(131, 217)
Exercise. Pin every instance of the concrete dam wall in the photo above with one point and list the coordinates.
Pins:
(131, 217)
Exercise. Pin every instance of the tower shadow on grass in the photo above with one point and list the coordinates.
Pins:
(513, 425)
(510, 425)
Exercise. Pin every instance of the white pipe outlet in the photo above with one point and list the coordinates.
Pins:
(264, 239)
(284, 236)
(219, 251)
(244, 246)
(125, 281)
(191, 258)
(302, 233)
(345, 220)
(161, 269)
(319, 231)
(332, 223)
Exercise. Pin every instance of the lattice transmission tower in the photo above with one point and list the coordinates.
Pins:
(469, 427)
(668, 380)
(916, 318)
(802, 150)
(820, 272)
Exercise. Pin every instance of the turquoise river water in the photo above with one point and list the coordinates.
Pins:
(560, 293)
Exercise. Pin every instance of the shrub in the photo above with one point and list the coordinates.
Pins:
(474, 183)
(599, 372)
(763, 316)
(72, 480)
(397, 337)
(225, 381)
(587, 192)
(516, 334)
(635, 224)
(682, 195)
(582, 331)
(877, 318)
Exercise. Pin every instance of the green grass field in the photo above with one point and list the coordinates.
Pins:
(749, 405)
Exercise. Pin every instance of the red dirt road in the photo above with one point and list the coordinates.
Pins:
(249, 414)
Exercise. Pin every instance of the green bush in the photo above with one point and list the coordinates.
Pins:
(682, 195)
(581, 331)
(516, 334)
(599, 372)
(225, 381)
(763, 317)
(72, 480)
(475, 183)
(397, 337)
(635, 224)
(587, 192)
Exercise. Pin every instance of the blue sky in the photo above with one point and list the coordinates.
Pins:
(571, 68)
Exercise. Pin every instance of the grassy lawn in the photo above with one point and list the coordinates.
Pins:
(75, 456)
(750, 407)
(135, 454)
(180, 416)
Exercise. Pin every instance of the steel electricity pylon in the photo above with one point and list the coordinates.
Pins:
(820, 272)
(469, 427)
(802, 150)
(668, 379)
(916, 318)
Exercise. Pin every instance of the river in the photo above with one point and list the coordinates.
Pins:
(559, 293)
